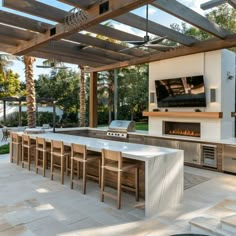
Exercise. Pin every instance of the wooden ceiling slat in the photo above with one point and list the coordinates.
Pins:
(155, 28)
(15, 33)
(204, 46)
(9, 40)
(66, 59)
(36, 8)
(211, 4)
(58, 47)
(106, 53)
(88, 40)
(113, 33)
(79, 3)
(184, 13)
(232, 3)
(23, 22)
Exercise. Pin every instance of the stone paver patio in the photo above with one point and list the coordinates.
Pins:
(33, 205)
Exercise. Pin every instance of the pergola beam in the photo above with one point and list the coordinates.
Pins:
(65, 58)
(188, 15)
(79, 3)
(155, 28)
(205, 46)
(60, 30)
(38, 26)
(215, 3)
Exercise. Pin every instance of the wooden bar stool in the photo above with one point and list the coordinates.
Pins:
(15, 148)
(79, 154)
(59, 157)
(41, 160)
(28, 146)
(113, 161)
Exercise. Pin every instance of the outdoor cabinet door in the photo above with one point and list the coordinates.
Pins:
(229, 158)
(192, 152)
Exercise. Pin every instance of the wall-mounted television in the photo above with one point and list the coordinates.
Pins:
(181, 92)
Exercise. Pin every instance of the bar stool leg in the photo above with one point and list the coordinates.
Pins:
(119, 189)
(84, 177)
(72, 174)
(102, 185)
(22, 156)
(36, 161)
(52, 166)
(44, 163)
(28, 158)
(18, 153)
(137, 184)
(99, 172)
(62, 170)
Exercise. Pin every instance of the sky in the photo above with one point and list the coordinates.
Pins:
(154, 15)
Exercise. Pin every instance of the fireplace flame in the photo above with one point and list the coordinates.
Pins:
(185, 132)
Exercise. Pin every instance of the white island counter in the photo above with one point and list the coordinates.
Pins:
(163, 168)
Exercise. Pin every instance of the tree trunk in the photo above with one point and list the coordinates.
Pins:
(82, 119)
(30, 89)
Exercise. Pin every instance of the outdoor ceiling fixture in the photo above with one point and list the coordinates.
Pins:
(52, 64)
(74, 18)
(147, 42)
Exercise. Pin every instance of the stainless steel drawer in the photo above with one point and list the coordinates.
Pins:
(229, 164)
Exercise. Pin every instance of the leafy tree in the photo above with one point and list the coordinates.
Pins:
(9, 84)
(63, 86)
(133, 90)
(224, 15)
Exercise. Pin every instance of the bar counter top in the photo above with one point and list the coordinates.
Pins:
(130, 150)
(230, 140)
(163, 167)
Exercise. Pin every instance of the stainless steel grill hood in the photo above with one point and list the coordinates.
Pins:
(119, 128)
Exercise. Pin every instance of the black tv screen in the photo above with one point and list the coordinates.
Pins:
(181, 92)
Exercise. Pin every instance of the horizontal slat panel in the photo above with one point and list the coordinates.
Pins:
(67, 59)
(23, 22)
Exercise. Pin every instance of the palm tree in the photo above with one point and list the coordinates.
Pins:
(82, 120)
(30, 89)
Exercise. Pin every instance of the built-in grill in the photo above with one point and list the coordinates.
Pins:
(120, 128)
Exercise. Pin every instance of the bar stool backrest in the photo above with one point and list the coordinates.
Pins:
(15, 138)
(57, 147)
(26, 141)
(109, 156)
(40, 143)
(79, 150)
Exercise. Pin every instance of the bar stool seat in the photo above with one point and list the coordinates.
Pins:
(59, 158)
(80, 154)
(28, 146)
(44, 149)
(15, 148)
(113, 161)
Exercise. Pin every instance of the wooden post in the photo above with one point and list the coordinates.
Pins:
(93, 116)
(115, 94)
(54, 115)
(20, 119)
(4, 112)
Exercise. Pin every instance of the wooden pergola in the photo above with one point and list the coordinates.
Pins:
(65, 41)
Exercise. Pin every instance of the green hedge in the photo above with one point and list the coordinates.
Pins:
(4, 149)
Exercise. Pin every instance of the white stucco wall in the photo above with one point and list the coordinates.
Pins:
(214, 66)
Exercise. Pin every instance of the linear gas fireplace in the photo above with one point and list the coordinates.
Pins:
(181, 128)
